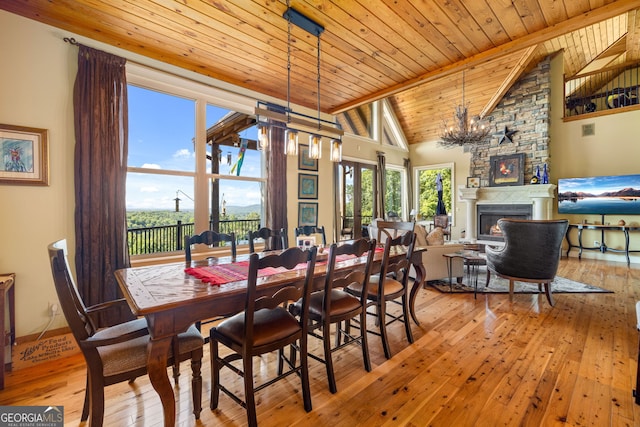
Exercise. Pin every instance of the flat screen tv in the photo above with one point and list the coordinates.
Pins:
(602, 195)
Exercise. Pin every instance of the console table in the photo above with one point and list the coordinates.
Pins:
(603, 246)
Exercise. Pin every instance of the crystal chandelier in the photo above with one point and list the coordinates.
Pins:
(464, 131)
(271, 115)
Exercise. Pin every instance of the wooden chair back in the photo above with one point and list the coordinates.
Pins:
(308, 230)
(400, 267)
(209, 238)
(273, 239)
(360, 247)
(393, 229)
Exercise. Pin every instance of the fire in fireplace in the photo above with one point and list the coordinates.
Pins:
(488, 216)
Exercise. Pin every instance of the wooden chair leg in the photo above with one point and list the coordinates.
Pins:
(249, 396)
(215, 374)
(511, 285)
(97, 403)
(363, 340)
(196, 382)
(328, 360)
(304, 374)
(85, 406)
(407, 323)
(547, 290)
(382, 324)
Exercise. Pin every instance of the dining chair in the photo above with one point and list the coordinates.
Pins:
(531, 252)
(265, 326)
(116, 353)
(273, 239)
(333, 305)
(391, 285)
(209, 238)
(308, 230)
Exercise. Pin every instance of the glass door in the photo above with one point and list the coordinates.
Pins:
(358, 201)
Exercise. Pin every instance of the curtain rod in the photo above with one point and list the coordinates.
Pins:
(71, 40)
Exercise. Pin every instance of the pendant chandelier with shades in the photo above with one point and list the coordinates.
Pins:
(464, 131)
(269, 115)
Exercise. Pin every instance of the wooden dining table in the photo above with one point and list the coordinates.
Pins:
(171, 300)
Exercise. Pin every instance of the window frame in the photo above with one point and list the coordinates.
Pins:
(416, 186)
(203, 95)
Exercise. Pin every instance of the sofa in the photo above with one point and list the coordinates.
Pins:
(434, 263)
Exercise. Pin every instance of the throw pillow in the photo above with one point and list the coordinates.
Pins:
(435, 237)
(421, 235)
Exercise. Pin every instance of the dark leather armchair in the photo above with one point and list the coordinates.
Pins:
(531, 252)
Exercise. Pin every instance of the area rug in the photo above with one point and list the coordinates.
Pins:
(498, 285)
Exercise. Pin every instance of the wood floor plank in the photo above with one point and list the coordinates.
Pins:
(475, 362)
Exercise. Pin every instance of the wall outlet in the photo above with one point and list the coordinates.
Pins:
(53, 308)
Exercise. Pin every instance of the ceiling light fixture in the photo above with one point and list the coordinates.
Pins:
(464, 131)
(270, 115)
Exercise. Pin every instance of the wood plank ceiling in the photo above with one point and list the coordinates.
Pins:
(411, 51)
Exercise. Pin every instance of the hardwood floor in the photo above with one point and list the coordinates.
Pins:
(484, 362)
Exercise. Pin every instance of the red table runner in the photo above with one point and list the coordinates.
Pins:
(224, 273)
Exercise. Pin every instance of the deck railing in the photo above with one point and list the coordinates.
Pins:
(168, 238)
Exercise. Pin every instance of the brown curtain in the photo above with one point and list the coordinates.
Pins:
(277, 183)
(381, 184)
(407, 169)
(101, 126)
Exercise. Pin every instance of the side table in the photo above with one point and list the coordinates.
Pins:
(473, 261)
(7, 296)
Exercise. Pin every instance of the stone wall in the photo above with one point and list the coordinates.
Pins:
(526, 110)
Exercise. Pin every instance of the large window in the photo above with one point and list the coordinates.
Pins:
(427, 190)
(192, 164)
(394, 193)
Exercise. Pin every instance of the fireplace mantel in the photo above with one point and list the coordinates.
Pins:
(540, 196)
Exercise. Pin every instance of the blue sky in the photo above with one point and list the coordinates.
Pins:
(599, 184)
(161, 129)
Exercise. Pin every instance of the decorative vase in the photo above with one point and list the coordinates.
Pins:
(545, 175)
(536, 178)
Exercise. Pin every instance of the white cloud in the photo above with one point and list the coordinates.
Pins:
(149, 189)
(151, 166)
(182, 154)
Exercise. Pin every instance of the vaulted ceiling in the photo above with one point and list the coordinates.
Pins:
(410, 51)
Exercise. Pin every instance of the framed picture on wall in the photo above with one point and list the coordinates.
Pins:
(304, 162)
(25, 159)
(473, 182)
(307, 186)
(307, 214)
(506, 170)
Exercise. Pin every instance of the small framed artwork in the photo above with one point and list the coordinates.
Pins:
(304, 162)
(24, 157)
(306, 242)
(307, 214)
(307, 186)
(506, 170)
(473, 182)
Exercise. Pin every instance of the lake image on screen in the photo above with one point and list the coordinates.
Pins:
(604, 195)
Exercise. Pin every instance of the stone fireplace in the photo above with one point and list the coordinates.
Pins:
(486, 205)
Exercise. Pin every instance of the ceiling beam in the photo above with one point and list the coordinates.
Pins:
(589, 18)
(513, 77)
